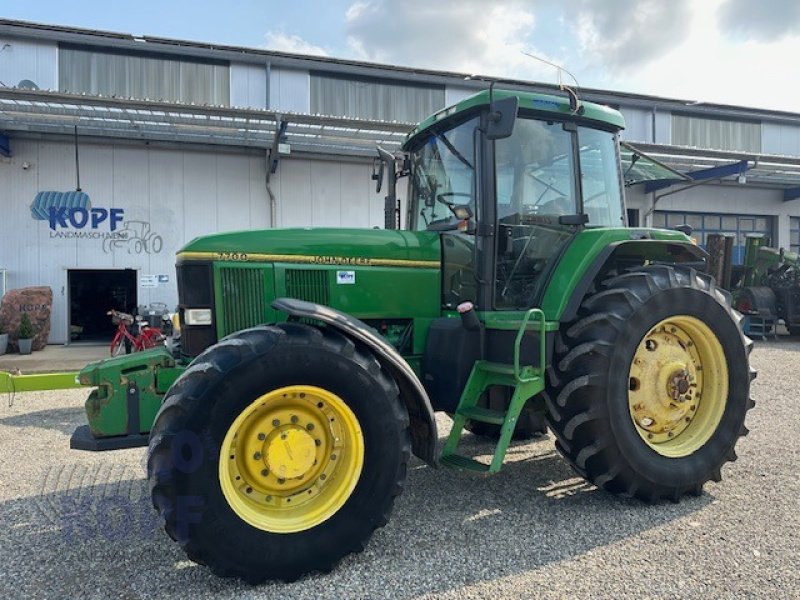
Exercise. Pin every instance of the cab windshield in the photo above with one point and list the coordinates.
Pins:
(442, 176)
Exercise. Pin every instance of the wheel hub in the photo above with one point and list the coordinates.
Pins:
(677, 385)
(289, 452)
(665, 382)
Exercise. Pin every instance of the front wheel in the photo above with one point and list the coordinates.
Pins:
(653, 384)
(277, 452)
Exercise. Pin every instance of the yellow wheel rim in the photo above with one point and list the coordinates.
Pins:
(291, 459)
(678, 386)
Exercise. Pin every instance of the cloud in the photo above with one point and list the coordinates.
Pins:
(623, 35)
(294, 44)
(469, 36)
(764, 22)
(711, 67)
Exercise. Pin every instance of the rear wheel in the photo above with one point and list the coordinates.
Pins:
(279, 451)
(653, 384)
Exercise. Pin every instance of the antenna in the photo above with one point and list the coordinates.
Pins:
(574, 101)
(77, 164)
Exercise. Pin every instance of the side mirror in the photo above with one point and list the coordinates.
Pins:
(502, 116)
(462, 212)
(377, 173)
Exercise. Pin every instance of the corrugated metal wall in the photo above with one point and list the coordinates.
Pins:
(716, 134)
(142, 77)
(172, 193)
(374, 99)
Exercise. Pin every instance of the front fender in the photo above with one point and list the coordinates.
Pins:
(413, 394)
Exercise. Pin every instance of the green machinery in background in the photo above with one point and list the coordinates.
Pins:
(766, 287)
(311, 361)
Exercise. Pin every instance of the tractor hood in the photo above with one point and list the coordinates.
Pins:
(324, 246)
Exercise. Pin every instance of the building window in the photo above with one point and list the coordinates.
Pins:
(373, 99)
(143, 77)
(794, 234)
(716, 134)
(702, 224)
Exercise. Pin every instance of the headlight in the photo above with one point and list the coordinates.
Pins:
(197, 316)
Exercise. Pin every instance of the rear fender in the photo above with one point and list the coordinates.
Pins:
(625, 253)
(413, 394)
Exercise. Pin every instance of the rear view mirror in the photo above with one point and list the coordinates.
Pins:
(377, 173)
(502, 116)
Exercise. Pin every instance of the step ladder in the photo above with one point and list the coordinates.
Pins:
(526, 381)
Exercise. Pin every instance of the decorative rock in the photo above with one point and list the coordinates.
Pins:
(38, 303)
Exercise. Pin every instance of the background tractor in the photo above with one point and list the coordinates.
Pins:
(311, 361)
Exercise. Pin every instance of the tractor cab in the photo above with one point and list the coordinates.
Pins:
(508, 179)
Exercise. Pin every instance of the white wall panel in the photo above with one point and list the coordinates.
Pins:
(780, 139)
(36, 61)
(290, 91)
(248, 85)
(638, 125)
(326, 194)
(233, 193)
(293, 186)
(167, 222)
(454, 94)
(355, 196)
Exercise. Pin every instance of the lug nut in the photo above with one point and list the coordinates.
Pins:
(333, 457)
(295, 419)
(323, 477)
(276, 422)
(281, 481)
(262, 437)
(264, 472)
(310, 426)
(283, 436)
(317, 443)
(257, 455)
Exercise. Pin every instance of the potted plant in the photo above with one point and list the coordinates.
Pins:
(25, 334)
(3, 338)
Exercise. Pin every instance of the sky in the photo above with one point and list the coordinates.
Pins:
(723, 51)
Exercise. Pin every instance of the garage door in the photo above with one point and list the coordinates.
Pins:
(705, 223)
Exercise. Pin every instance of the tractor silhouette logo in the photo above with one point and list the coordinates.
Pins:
(137, 237)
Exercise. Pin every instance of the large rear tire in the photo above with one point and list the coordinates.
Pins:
(652, 384)
(277, 452)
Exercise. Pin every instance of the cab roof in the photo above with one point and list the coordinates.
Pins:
(544, 103)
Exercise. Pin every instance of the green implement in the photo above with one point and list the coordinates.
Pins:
(11, 383)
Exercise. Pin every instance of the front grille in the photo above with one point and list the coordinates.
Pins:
(244, 299)
(308, 284)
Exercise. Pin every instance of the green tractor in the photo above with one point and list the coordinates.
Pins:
(311, 361)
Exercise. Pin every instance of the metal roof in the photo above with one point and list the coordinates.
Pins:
(144, 43)
(55, 113)
(41, 112)
(764, 169)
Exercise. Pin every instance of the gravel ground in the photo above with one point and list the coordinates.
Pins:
(77, 524)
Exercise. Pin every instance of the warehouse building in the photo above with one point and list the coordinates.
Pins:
(158, 141)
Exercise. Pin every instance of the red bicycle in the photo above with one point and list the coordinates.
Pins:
(125, 342)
